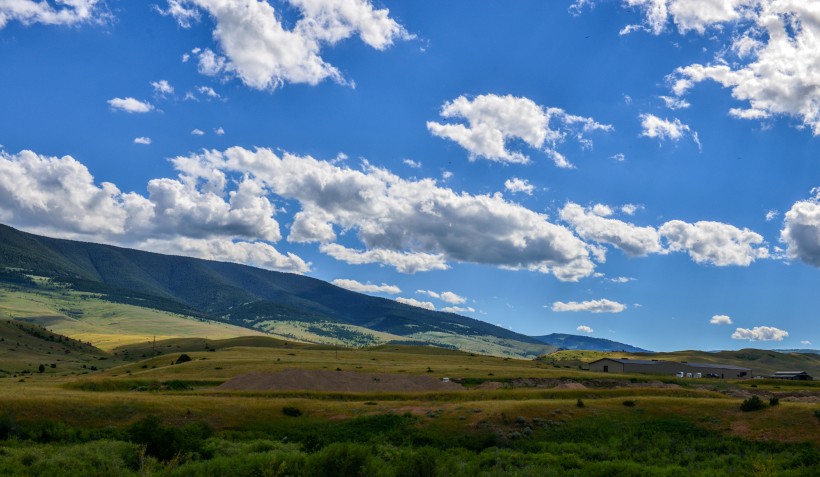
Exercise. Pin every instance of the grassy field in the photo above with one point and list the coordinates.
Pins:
(131, 406)
(105, 324)
(107, 422)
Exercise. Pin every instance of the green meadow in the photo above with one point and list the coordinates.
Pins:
(141, 412)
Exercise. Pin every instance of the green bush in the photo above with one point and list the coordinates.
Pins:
(580, 403)
(629, 403)
(340, 459)
(8, 427)
(754, 403)
(183, 358)
(166, 442)
(291, 411)
(774, 401)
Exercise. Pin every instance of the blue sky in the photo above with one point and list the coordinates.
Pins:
(638, 170)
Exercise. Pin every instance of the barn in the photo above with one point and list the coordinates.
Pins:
(792, 375)
(654, 366)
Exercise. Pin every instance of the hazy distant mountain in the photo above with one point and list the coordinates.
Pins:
(814, 351)
(566, 341)
(237, 294)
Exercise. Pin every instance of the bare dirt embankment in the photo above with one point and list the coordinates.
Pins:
(336, 381)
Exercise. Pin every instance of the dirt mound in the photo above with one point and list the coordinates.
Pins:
(570, 385)
(336, 381)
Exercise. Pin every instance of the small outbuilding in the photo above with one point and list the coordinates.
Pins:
(792, 375)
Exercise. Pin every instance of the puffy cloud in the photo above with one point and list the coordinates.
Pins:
(130, 105)
(65, 12)
(402, 261)
(257, 254)
(411, 163)
(720, 320)
(219, 131)
(421, 304)
(264, 54)
(687, 15)
(770, 62)
(413, 225)
(142, 140)
(359, 287)
(673, 103)
(760, 333)
(493, 120)
(189, 215)
(630, 209)
(714, 242)
(664, 129)
(584, 329)
(197, 132)
(631, 239)
(801, 230)
(619, 157)
(208, 91)
(515, 185)
(447, 296)
(458, 309)
(771, 215)
(162, 87)
(593, 306)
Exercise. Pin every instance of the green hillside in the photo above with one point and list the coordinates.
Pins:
(241, 295)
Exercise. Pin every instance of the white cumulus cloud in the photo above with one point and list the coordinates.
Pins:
(57, 196)
(594, 306)
(584, 329)
(413, 225)
(801, 230)
(447, 296)
(264, 53)
(59, 12)
(516, 185)
(633, 240)
(714, 242)
(359, 287)
(664, 129)
(421, 304)
(197, 132)
(142, 140)
(130, 105)
(760, 333)
(162, 87)
(493, 121)
(720, 320)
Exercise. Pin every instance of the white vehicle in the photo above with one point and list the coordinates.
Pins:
(679, 374)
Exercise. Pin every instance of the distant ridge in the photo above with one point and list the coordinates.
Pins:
(576, 342)
(238, 294)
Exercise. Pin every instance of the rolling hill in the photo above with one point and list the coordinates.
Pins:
(241, 295)
(565, 341)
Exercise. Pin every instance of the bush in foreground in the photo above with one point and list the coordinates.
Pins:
(754, 403)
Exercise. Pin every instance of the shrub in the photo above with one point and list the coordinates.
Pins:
(8, 427)
(817, 414)
(754, 403)
(580, 403)
(183, 358)
(291, 411)
(629, 403)
(774, 401)
(166, 442)
(340, 459)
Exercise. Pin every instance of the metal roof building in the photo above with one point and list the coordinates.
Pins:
(705, 370)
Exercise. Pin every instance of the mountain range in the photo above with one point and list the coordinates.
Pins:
(573, 342)
(243, 295)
